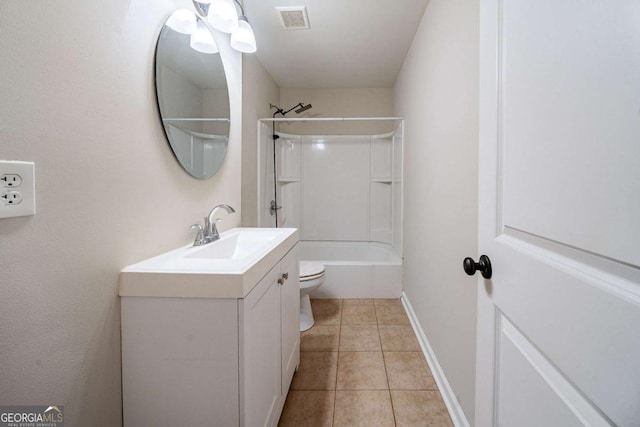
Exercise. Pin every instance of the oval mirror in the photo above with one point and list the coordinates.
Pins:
(192, 93)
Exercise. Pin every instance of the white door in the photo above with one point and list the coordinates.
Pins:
(559, 321)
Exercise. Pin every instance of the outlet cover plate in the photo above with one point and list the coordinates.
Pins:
(26, 188)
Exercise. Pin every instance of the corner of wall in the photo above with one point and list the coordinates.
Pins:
(437, 93)
(259, 90)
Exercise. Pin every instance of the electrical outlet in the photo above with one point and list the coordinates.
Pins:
(17, 189)
(10, 197)
(10, 180)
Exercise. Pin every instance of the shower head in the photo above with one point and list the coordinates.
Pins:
(303, 108)
(300, 108)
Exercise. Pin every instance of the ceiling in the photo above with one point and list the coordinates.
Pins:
(351, 43)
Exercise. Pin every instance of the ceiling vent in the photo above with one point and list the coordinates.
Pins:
(294, 17)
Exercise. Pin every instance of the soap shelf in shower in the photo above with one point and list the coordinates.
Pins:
(286, 179)
(383, 180)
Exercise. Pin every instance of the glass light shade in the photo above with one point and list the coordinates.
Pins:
(202, 40)
(222, 15)
(242, 39)
(183, 21)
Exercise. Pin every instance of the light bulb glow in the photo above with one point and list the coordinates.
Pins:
(242, 39)
(222, 15)
(202, 40)
(182, 21)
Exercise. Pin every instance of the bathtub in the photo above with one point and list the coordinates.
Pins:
(355, 269)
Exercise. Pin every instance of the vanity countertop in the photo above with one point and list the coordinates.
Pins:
(227, 268)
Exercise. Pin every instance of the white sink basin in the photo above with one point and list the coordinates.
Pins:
(241, 243)
(227, 268)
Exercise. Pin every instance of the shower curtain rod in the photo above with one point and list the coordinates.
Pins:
(327, 119)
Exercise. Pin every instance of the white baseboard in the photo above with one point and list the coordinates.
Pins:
(453, 406)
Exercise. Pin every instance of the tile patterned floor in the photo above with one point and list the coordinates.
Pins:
(361, 365)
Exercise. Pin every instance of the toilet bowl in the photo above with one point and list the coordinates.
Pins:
(311, 277)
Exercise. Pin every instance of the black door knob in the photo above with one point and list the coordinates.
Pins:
(484, 266)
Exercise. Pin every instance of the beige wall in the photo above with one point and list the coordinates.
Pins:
(437, 92)
(77, 88)
(259, 90)
(350, 102)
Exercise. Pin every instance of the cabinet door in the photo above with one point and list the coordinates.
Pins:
(260, 352)
(290, 316)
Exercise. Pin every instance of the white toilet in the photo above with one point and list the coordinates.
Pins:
(311, 277)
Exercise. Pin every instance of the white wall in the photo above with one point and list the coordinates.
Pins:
(78, 99)
(339, 102)
(437, 92)
(259, 90)
(335, 196)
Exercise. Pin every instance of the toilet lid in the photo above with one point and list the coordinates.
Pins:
(310, 268)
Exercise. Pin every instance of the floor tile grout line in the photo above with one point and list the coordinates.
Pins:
(386, 374)
(335, 391)
(340, 332)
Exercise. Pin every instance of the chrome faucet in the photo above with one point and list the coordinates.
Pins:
(209, 233)
(210, 230)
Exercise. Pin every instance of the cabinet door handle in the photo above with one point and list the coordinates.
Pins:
(284, 277)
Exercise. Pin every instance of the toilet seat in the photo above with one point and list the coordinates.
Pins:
(310, 270)
(310, 278)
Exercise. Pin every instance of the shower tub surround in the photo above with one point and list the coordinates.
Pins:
(344, 193)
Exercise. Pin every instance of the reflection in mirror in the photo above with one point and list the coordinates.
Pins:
(192, 94)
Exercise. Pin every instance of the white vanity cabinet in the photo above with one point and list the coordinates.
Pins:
(210, 361)
(270, 343)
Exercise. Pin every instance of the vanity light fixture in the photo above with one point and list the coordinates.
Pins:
(242, 39)
(183, 21)
(202, 40)
(223, 16)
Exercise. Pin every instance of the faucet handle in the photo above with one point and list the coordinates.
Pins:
(199, 240)
(214, 228)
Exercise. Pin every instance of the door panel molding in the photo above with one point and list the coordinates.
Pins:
(584, 411)
(612, 283)
(597, 261)
(499, 115)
